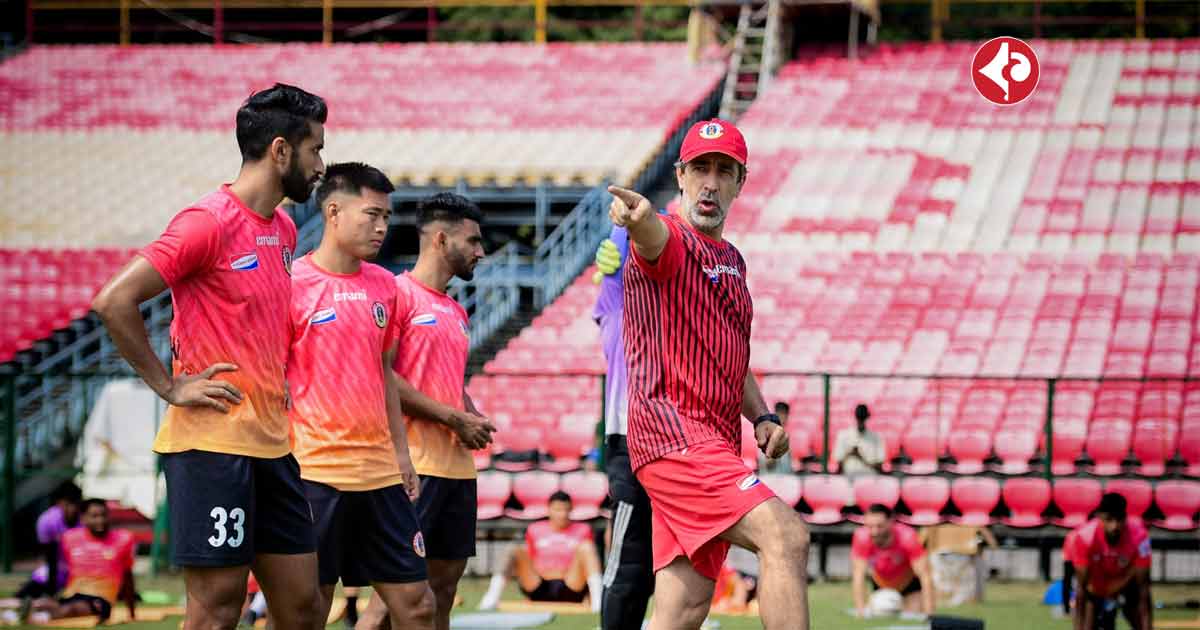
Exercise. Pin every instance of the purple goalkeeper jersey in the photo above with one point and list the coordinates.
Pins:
(610, 306)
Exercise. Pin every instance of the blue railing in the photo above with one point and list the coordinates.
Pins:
(493, 296)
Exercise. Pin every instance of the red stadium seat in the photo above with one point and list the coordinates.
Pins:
(518, 439)
(1076, 498)
(1026, 498)
(1108, 445)
(533, 489)
(1137, 492)
(1179, 502)
(1068, 446)
(1189, 451)
(492, 491)
(925, 497)
(800, 442)
(826, 495)
(921, 446)
(1153, 446)
(588, 490)
(975, 497)
(872, 489)
(567, 444)
(785, 486)
(969, 447)
(483, 459)
(1015, 448)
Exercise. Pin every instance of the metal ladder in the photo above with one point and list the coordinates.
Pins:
(755, 58)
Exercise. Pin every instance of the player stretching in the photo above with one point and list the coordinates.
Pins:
(350, 436)
(233, 488)
(443, 424)
(1112, 564)
(687, 345)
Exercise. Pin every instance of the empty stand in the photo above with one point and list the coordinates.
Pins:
(1027, 498)
(493, 489)
(533, 489)
(787, 487)
(925, 498)
(873, 489)
(587, 490)
(826, 495)
(975, 497)
(1179, 502)
(1076, 498)
(1137, 492)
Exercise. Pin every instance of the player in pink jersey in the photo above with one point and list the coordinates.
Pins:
(349, 432)
(100, 561)
(233, 488)
(443, 423)
(559, 562)
(1112, 559)
(892, 554)
(687, 322)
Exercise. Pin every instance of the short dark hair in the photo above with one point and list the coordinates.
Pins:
(559, 495)
(448, 207)
(281, 111)
(861, 413)
(88, 503)
(351, 178)
(66, 491)
(782, 407)
(879, 508)
(1113, 505)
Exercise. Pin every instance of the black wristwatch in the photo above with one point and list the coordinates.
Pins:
(767, 417)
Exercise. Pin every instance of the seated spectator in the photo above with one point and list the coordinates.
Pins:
(956, 555)
(100, 563)
(893, 554)
(1111, 557)
(56, 520)
(558, 562)
(857, 450)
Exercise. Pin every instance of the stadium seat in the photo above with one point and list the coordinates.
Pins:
(492, 491)
(969, 447)
(1189, 450)
(523, 441)
(799, 441)
(1027, 498)
(533, 489)
(588, 490)
(975, 497)
(1137, 492)
(1015, 448)
(1076, 498)
(785, 486)
(921, 446)
(1153, 446)
(826, 495)
(567, 445)
(925, 497)
(1068, 447)
(1108, 445)
(1179, 502)
(482, 458)
(872, 489)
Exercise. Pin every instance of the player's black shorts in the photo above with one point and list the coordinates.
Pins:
(913, 586)
(366, 537)
(226, 508)
(100, 607)
(447, 509)
(554, 591)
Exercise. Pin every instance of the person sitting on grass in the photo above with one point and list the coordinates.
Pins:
(557, 563)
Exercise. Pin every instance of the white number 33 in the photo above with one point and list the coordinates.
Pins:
(238, 516)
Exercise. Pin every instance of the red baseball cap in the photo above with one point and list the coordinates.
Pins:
(714, 136)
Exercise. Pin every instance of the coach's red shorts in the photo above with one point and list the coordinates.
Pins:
(695, 495)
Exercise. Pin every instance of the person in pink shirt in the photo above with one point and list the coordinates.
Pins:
(233, 487)
(443, 423)
(558, 563)
(100, 562)
(349, 431)
(893, 555)
(1111, 555)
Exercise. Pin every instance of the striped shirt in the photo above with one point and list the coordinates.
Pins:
(687, 344)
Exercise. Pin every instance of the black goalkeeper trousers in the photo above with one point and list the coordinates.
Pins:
(628, 571)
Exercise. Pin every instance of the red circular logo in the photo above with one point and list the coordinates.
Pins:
(1005, 70)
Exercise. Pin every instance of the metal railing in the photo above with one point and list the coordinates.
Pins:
(493, 296)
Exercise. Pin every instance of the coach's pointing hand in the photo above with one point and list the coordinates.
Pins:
(628, 208)
(201, 390)
(772, 439)
(474, 431)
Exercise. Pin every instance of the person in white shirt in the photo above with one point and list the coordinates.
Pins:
(857, 450)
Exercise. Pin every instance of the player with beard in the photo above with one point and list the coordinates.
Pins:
(233, 488)
(686, 332)
(443, 424)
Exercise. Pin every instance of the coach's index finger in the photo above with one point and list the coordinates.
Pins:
(631, 199)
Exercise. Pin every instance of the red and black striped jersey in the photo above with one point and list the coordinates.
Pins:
(687, 344)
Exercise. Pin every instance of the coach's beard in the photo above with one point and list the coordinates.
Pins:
(707, 222)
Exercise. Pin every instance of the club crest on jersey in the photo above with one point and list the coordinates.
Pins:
(323, 316)
(419, 545)
(712, 131)
(380, 314)
(425, 319)
(244, 262)
(287, 259)
(750, 481)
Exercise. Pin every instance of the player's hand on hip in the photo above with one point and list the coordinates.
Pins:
(628, 207)
(202, 390)
(474, 431)
(772, 439)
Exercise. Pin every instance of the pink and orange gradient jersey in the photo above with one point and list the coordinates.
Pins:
(891, 566)
(228, 269)
(341, 326)
(432, 357)
(1110, 566)
(552, 550)
(97, 565)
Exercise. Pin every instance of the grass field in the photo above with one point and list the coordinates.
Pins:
(1009, 606)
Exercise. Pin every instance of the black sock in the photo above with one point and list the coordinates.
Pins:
(352, 609)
